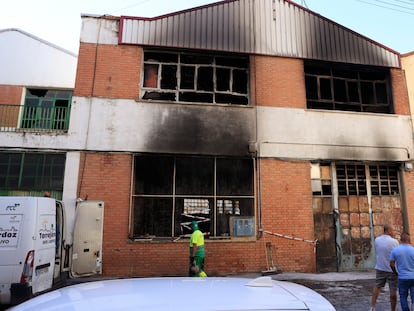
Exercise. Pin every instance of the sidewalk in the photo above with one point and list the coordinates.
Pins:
(326, 277)
(320, 277)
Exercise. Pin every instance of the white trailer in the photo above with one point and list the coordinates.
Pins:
(42, 243)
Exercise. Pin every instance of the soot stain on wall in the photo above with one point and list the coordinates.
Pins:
(202, 131)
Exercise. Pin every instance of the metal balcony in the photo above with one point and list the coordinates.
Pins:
(20, 118)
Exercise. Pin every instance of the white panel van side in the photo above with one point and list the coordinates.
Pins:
(42, 243)
(27, 246)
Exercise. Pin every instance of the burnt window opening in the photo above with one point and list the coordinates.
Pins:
(355, 179)
(348, 88)
(169, 192)
(321, 179)
(351, 179)
(193, 77)
(46, 109)
(384, 180)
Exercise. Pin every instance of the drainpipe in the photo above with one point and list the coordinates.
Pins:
(403, 191)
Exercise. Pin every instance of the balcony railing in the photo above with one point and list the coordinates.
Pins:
(17, 118)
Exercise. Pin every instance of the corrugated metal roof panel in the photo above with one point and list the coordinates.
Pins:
(268, 27)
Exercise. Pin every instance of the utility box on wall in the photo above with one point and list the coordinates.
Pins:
(242, 226)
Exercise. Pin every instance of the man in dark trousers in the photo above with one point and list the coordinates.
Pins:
(402, 263)
(383, 272)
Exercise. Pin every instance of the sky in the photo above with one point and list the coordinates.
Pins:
(389, 22)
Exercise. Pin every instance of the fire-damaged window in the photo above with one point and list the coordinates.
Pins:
(170, 192)
(194, 77)
(321, 179)
(348, 88)
(354, 179)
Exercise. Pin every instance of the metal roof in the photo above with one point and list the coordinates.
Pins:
(267, 27)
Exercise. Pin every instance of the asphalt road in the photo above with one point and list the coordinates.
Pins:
(346, 291)
(350, 296)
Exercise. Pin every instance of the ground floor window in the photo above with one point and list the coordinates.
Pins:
(169, 192)
(31, 173)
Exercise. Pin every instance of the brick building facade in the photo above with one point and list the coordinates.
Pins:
(274, 135)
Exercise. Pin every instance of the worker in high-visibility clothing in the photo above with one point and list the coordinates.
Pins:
(196, 252)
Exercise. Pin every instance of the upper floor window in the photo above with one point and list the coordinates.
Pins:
(46, 109)
(347, 88)
(193, 77)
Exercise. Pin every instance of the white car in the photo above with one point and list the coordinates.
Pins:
(181, 294)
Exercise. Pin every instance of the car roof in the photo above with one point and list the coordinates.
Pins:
(180, 293)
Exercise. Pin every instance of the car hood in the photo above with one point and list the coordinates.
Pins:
(180, 293)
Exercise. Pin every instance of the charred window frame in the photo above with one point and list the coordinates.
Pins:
(384, 180)
(355, 179)
(348, 88)
(321, 179)
(169, 192)
(195, 77)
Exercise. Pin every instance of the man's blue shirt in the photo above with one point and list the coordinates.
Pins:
(404, 261)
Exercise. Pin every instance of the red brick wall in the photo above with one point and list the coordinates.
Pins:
(11, 94)
(400, 92)
(277, 82)
(116, 74)
(287, 210)
(286, 203)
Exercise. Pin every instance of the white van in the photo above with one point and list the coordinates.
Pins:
(42, 243)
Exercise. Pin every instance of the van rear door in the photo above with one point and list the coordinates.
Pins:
(87, 239)
(45, 245)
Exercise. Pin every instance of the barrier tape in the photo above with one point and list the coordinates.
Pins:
(189, 235)
(187, 225)
(291, 237)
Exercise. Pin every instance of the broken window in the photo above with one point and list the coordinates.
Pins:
(321, 179)
(347, 88)
(46, 109)
(355, 179)
(170, 192)
(351, 179)
(384, 180)
(193, 77)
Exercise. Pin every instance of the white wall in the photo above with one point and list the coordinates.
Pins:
(26, 60)
(99, 124)
(313, 134)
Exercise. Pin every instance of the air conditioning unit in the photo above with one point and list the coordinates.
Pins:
(242, 226)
